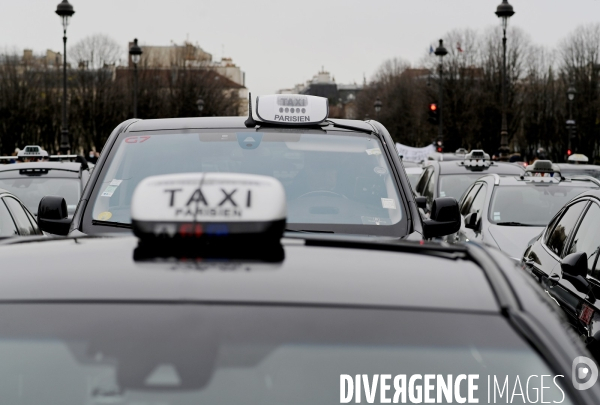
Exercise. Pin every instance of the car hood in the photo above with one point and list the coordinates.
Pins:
(513, 240)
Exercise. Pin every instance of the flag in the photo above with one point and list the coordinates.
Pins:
(431, 49)
(458, 47)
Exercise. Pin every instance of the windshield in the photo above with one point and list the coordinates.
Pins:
(329, 178)
(251, 355)
(454, 185)
(533, 205)
(31, 190)
(585, 172)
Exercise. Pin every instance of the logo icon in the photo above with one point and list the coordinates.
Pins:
(584, 373)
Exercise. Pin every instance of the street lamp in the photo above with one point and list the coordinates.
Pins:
(200, 105)
(65, 12)
(377, 106)
(136, 54)
(440, 51)
(504, 11)
(571, 92)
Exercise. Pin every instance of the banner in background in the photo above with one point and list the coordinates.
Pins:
(414, 154)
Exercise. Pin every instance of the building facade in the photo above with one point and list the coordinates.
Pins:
(192, 57)
(342, 97)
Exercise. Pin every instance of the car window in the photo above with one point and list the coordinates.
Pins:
(330, 178)
(34, 223)
(455, 185)
(478, 202)
(532, 204)
(30, 190)
(430, 190)
(468, 200)
(563, 228)
(580, 172)
(18, 212)
(587, 237)
(413, 174)
(7, 225)
(423, 180)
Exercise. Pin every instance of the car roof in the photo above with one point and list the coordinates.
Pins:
(573, 166)
(456, 167)
(104, 269)
(63, 166)
(540, 181)
(166, 124)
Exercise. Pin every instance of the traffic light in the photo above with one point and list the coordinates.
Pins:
(569, 152)
(433, 114)
(439, 146)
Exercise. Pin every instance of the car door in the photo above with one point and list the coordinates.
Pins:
(8, 227)
(555, 245)
(586, 238)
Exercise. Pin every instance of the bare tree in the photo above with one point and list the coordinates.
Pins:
(95, 52)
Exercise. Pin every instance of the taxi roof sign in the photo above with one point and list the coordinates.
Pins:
(292, 109)
(477, 160)
(208, 205)
(578, 157)
(32, 151)
(541, 167)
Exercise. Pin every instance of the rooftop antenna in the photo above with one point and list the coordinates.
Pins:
(250, 123)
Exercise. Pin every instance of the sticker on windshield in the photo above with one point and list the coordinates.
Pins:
(375, 221)
(379, 170)
(496, 216)
(105, 216)
(388, 203)
(374, 151)
(112, 187)
(442, 194)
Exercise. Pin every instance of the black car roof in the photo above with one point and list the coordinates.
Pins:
(573, 166)
(507, 180)
(456, 167)
(220, 122)
(63, 166)
(103, 269)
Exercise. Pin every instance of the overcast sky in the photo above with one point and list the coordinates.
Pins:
(279, 43)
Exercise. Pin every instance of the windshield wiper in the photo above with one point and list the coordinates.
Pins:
(113, 224)
(350, 127)
(307, 231)
(514, 224)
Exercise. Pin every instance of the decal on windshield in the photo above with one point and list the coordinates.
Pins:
(105, 216)
(137, 139)
(112, 187)
(388, 203)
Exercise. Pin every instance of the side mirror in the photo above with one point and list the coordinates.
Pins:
(444, 218)
(574, 268)
(52, 215)
(471, 221)
(421, 202)
(575, 264)
(84, 163)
